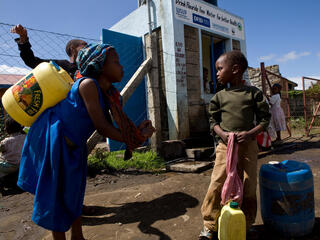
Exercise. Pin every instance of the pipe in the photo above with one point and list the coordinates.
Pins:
(149, 17)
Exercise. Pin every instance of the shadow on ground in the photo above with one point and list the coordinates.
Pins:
(292, 147)
(8, 185)
(146, 213)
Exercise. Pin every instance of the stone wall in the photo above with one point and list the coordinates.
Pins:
(255, 77)
(255, 80)
(198, 121)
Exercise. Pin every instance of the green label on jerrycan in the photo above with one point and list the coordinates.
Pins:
(28, 95)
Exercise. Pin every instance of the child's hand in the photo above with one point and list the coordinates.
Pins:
(243, 136)
(21, 31)
(225, 137)
(144, 124)
(146, 128)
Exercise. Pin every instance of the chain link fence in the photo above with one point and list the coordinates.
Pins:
(45, 45)
(311, 99)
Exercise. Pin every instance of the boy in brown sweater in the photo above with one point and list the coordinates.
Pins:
(233, 110)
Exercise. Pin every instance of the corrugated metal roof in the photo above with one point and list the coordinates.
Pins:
(9, 79)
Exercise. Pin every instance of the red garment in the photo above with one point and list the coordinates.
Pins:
(264, 139)
(233, 187)
(130, 133)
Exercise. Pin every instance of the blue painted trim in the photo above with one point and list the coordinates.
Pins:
(212, 64)
(5, 85)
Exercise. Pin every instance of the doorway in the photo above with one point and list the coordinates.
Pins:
(212, 48)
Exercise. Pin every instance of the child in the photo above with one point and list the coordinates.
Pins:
(233, 110)
(54, 158)
(278, 120)
(11, 147)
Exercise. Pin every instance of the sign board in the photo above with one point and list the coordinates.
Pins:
(210, 18)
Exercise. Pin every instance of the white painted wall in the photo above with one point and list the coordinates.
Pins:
(172, 31)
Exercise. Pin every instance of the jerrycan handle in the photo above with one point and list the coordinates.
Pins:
(55, 65)
(278, 165)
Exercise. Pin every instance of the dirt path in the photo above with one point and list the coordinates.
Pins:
(147, 207)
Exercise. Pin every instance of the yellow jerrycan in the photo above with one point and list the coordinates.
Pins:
(43, 87)
(232, 223)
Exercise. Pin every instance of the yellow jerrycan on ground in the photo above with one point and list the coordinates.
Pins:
(232, 223)
(43, 87)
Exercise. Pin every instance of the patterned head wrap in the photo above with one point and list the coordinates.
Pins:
(91, 59)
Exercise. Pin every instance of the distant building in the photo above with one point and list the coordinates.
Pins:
(255, 78)
(7, 80)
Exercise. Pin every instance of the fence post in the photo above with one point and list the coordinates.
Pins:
(305, 107)
(263, 78)
(288, 106)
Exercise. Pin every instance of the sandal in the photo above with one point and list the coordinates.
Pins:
(207, 234)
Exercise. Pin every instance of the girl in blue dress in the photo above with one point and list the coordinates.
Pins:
(54, 157)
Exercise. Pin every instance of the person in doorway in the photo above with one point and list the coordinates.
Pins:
(206, 82)
(54, 158)
(233, 110)
(26, 53)
(278, 119)
(11, 147)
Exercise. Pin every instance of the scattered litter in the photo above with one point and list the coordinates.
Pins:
(26, 228)
(138, 195)
(185, 218)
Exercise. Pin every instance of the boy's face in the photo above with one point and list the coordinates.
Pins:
(112, 67)
(224, 71)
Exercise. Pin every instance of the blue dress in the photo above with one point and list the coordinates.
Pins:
(52, 169)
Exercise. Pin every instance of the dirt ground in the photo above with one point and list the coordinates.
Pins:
(145, 207)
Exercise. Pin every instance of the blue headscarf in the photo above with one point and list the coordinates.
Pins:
(91, 59)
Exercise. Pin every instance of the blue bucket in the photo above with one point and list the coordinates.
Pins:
(287, 197)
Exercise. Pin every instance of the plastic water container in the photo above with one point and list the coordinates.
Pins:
(43, 87)
(232, 223)
(287, 198)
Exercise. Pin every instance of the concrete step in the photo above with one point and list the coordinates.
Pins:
(199, 142)
(200, 154)
(189, 166)
(173, 149)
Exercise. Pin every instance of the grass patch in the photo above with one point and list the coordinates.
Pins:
(146, 161)
(297, 123)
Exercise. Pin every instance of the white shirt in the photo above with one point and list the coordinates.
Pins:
(12, 148)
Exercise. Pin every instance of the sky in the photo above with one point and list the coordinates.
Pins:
(284, 32)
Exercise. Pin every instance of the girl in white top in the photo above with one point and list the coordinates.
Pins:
(11, 147)
(278, 120)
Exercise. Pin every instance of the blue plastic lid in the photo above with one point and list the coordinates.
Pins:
(234, 205)
(56, 65)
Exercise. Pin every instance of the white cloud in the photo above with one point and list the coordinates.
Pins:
(4, 69)
(267, 58)
(318, 54)
(307, 82)
(292, 56)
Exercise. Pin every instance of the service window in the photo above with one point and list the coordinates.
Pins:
(212, 48)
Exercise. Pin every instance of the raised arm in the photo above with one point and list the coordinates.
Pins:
(89, 93)
(27, 54)
(24, 45)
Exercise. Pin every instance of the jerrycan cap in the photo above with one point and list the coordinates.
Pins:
(234, 205)
(55, 65)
